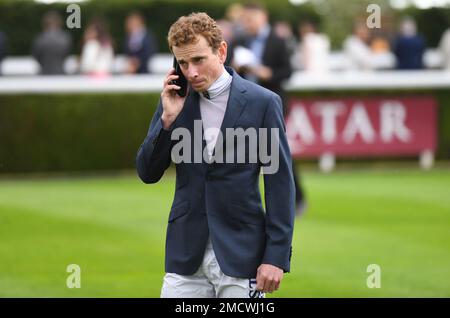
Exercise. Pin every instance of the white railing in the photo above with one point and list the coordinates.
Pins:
(160, 63)
(19, 77)
(300, 81)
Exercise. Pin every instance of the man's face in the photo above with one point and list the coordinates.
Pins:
(132, 24)
(253, 20)
(363, 33)
(199, 64)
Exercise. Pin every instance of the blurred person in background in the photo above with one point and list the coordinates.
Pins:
(267, 63)
(444, 49)
(97, 56)
(409, 46)
(232, 28)
(314, 48)
(227, 30)
(140, 44)
(228, 36)
(234, 14)
(380, 43)
(357, 49)
(2, 49)
(284, 31)
(52, 46)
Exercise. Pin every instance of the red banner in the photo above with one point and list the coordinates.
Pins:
(367, 126)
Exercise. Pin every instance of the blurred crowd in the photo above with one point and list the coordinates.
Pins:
(307, 48)
(54, 45)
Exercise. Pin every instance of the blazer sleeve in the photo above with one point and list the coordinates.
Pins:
(279, 192)
(153, 156)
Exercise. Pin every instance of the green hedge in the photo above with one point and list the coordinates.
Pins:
(72, 132)
(103, 131)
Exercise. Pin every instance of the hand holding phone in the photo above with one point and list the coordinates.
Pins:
(173, 95)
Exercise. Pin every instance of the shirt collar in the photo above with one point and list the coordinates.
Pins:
(263, 33)
(221, 85)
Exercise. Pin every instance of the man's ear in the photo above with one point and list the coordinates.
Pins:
(223, 52)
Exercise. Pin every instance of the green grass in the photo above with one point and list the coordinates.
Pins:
(114, 228)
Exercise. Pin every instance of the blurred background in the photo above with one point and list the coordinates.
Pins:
(366, 90)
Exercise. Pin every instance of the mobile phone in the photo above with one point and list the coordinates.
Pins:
(181, 80)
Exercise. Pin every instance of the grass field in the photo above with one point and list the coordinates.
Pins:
(114, 229)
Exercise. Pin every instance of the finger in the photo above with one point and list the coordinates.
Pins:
(172, 87)
(272, 285)
(170, 78)
(277, 285)
(267, 284)
(259, 282)
(170, 72)
(170, 90)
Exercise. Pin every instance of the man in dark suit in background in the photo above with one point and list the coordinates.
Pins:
(52, 46)
(271, 65)
(140, 44)
(409, 46)
(220, 241)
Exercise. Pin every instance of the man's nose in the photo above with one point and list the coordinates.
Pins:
(192, 72)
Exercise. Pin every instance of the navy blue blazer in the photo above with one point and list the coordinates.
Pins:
(222, 200)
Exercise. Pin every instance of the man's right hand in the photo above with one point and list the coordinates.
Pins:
(172, 103)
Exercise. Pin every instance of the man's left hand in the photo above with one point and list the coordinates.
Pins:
(268, 278)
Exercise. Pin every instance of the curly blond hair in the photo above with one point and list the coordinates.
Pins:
(186, 29)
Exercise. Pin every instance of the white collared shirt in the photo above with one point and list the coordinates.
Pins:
(213, 109)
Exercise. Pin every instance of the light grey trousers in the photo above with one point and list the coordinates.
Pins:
(208, 282)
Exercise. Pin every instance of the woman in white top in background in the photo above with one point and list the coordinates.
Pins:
(314, 49)
(357, 49)
(97, 55)
(444, 48)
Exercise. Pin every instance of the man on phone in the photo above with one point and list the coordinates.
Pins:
(220, 241)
